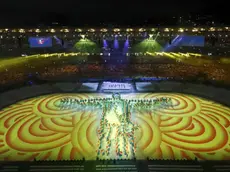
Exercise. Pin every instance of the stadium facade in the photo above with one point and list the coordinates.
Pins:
(15, 41)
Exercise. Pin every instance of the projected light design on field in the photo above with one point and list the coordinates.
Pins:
(39, 128)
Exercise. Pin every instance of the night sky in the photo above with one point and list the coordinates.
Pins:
(92, 12)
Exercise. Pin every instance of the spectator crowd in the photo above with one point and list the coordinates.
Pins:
(178, 71)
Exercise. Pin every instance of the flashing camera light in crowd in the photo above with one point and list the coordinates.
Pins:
(101, 54)
(108, 54)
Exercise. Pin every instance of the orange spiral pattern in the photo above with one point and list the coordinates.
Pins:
(37, 128)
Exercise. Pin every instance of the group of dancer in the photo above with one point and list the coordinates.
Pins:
(145, 103)
(117, 128)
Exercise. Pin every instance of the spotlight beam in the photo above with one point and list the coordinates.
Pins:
(158, 33)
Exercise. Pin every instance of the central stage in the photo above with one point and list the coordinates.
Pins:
(39, 129)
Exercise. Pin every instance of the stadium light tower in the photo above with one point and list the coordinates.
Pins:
(83, 36)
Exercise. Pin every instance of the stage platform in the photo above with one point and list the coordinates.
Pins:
(34, 123)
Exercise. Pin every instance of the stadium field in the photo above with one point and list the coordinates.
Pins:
(48, 128)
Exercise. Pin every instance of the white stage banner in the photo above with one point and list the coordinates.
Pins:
(116, 86)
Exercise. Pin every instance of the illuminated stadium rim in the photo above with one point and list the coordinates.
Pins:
(122, 29)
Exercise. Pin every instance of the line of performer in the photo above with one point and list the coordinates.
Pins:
(68, 101)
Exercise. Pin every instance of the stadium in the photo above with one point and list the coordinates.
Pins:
(120, 99)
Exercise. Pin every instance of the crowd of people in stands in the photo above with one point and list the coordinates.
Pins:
(208, 71)
(177, 71)
(58, 72)
(8, 78)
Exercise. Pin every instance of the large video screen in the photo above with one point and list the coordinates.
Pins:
(188, 40)
(40, 42)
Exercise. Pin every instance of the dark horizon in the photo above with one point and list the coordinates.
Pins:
(92, 13)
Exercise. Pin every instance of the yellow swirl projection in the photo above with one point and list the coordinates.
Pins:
(37, 128)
